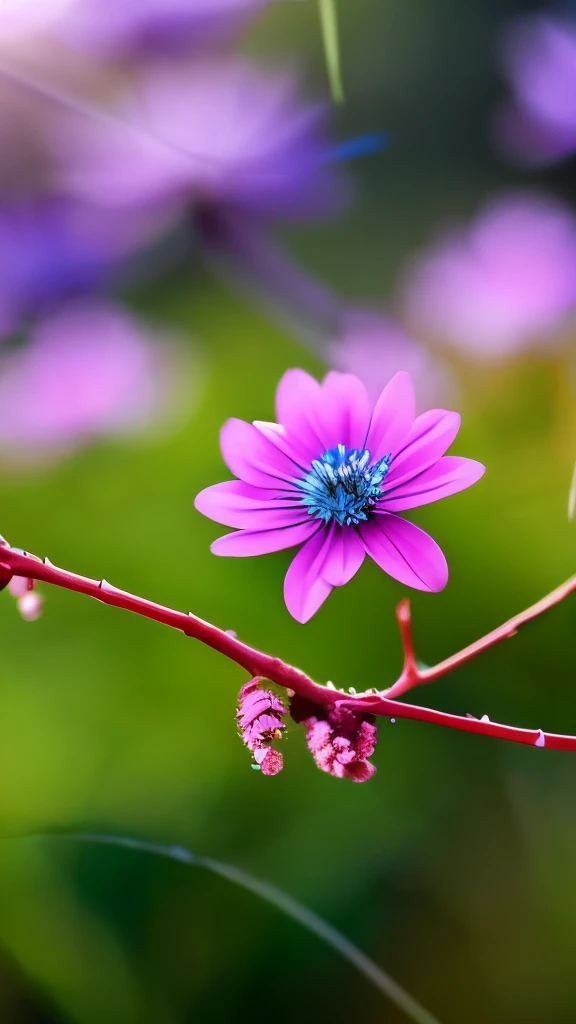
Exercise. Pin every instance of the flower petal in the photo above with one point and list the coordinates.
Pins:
(343, 415)
(234, 503)
(246, 543)
(405, 552)
(304, 588)
(254, 458)
(297, 397)
(318, 417)
(290, 445)
(393, 416)
(344, 556)
(430, 437)
(447, 476)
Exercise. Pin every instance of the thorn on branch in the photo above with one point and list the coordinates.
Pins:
(108, 588)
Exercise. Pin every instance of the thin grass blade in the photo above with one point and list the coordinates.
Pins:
(329, 25)
(270, 894)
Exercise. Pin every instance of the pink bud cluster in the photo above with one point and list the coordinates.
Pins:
(339, 739)
(260, 717)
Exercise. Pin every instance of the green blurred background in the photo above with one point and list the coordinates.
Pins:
(454, 867)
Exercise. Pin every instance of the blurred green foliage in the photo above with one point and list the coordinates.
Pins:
(453, 868)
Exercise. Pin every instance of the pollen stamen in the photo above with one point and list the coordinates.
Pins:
(343, 486)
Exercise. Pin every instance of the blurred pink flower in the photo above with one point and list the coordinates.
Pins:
(124, 27)
(374, 347)
(538, 125)
(332, 476)
(29, 602)
(86, 371)
(219, 134)
(503, 283)
(21, 17)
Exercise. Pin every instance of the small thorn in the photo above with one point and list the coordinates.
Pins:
(104, 585)
(541, 740)
(48, 563)
(330, 685)
(484, 718)
(392, 721)
(229, 632)
(352, 690)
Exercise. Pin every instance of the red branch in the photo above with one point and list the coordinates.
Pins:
(14, 562)
(412, 676)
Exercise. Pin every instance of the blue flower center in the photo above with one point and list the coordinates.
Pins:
(343, 485)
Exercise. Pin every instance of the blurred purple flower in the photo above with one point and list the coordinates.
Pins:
(374, 347)
(332, 476)
(538, 125)
(86, 371)
(505, 282)
(49, 250)
(260, 717)
(220, 136)
(123, 27)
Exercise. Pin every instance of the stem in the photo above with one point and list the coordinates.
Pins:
(14, 562)
(20, 563)
(412, 676)
(383, 707)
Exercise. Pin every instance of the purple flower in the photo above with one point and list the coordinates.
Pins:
(332, 475)
(374, 347)
(86, 371)
(539, 124)
(505, 282)
(219, 136)
(339, 739)
(113, 28)
(260, 718)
